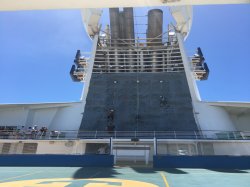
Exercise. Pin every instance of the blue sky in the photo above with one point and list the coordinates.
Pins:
(37, 49)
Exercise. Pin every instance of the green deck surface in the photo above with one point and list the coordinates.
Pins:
(117, 176)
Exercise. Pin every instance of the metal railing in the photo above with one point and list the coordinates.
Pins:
(138, 55)
(200, 135)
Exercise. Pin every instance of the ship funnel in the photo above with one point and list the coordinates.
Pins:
(122, 26)
(129, 25)
(114, 25)
(154, 32)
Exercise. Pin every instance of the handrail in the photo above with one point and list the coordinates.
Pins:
(70, 134)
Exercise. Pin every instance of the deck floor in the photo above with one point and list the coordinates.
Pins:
(120, 176)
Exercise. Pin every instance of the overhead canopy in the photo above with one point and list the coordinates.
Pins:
(13, 5)
(181, 9)
(91, 13)
(183, 16)
(233, 107)
(36, 105)
(90, 18)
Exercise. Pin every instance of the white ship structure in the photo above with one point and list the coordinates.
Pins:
(140, 98)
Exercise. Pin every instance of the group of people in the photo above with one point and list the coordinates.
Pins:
(22, 132)
(32, 132)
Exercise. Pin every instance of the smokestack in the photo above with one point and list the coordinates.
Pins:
(122, 25)
(129, 24)
(155, 20)
(114, 25)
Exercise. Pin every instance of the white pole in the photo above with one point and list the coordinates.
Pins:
(155, 146)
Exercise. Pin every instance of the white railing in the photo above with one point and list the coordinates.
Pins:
(206, 135)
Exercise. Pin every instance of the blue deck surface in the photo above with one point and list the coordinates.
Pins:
(121, 176)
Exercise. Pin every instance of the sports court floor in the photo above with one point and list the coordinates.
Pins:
(121, 176)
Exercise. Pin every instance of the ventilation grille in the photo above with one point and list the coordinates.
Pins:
(6, 148)
(29, 148)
